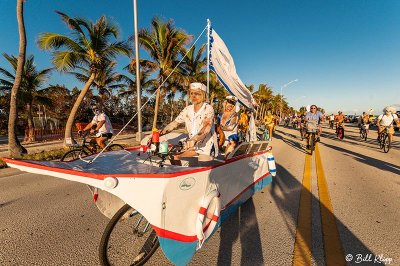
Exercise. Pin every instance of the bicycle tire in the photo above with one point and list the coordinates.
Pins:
(73, 155)
(311, 142)
(127, 215)
(381, 139)
(365, 134)
(341, 133)
(115, 147)
(386, 144)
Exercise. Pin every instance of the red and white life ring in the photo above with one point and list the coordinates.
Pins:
(208, 216)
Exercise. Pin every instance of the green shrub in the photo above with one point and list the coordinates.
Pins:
(45, 155)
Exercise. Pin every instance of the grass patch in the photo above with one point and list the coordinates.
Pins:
(46, 155)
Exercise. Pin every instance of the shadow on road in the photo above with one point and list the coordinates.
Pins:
(288, 205)
(356, 140)
(382, 165)
(243, 226)
(288, 141)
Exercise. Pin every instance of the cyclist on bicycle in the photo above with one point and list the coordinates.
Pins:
(302, 123)
(386, 120)
(364, 121)
(317, 117)
(339, 119)
(331, 120)
(100, 125)
(269, 122)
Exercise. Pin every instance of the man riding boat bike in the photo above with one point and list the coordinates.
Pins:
(199, 120)
(386, 120)
(100, 125)
(314, 117)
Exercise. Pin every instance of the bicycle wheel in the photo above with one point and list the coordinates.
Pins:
(340, 133)
(301, 134)
(311, 142)
(73, 155)
(115, 147)
(128, 239)
(381, 140)
(386, 144)
(365, 134)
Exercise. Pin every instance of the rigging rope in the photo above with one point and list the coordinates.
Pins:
(130, 120)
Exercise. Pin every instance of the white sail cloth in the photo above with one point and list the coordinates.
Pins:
(221, 62)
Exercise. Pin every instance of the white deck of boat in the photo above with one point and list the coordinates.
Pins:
(115, 162)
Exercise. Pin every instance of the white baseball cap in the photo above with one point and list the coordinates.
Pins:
(198, 86)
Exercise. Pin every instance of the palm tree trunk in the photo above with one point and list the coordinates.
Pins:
(14, 147)
(71, 118)
(172, 110)
(212, 98)
(31, 134)
(157, 103)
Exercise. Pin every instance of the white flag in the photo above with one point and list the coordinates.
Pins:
(221, 62)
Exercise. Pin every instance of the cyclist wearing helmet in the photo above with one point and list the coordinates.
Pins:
(386, 120)
(101, 126)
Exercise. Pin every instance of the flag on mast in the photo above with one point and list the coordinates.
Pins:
(221, 63)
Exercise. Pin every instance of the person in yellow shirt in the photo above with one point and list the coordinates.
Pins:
(243, 125)
(269, 122)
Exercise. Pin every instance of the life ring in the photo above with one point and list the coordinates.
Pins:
(271, 164)
(205, 224)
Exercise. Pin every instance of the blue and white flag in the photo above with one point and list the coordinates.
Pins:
(221, 63)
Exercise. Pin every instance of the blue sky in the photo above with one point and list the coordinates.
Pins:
(345, 54)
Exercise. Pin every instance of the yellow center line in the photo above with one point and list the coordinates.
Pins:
(332, 245)
(302, 246)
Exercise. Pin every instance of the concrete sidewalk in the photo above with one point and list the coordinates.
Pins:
(128, 140)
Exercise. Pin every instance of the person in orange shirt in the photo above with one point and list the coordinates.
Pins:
(339, 119)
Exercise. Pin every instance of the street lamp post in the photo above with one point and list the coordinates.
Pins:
(280, 112)
(138, 91)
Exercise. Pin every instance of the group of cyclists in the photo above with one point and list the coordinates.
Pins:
(204, 142)
(384, 121)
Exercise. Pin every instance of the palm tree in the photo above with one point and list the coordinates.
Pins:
(30, 89)
(163, 42)
(14, 147)
(217, 90)
(192, 68)
(90, 47)
(106, 80)
(147, 83)
(263, 95)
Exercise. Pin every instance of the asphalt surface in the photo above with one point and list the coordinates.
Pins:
(49, 221)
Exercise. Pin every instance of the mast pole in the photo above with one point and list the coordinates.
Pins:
(208, 59)
(138, 91)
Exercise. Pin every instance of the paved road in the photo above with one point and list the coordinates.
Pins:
(48, 221)
(4, 139)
